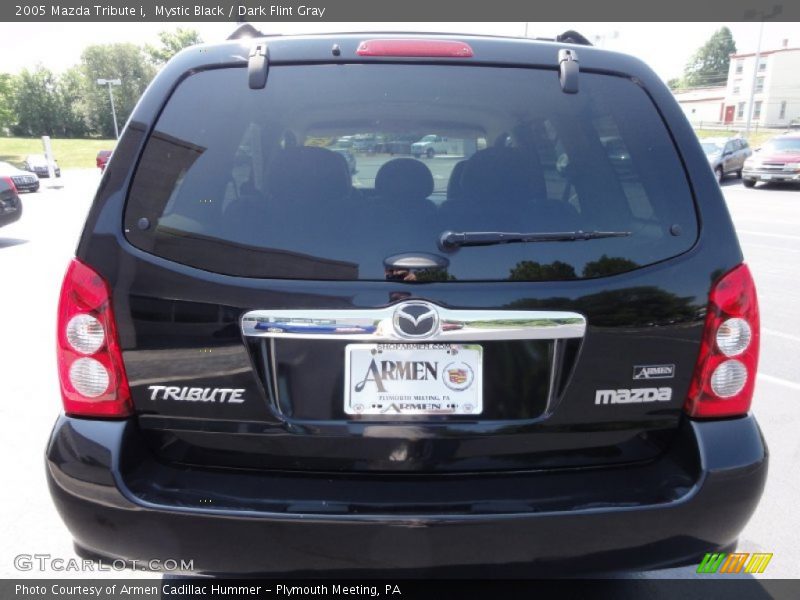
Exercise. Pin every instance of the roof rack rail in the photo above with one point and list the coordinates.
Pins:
(573, 37)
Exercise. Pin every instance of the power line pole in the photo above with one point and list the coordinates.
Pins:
(109, 83)
(762, 16)
(750, 104)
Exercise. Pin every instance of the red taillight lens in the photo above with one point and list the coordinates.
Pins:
(423, 48)
(10, 183)
(725, 373)
(90, 368)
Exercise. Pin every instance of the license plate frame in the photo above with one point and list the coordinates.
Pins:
(451, 384)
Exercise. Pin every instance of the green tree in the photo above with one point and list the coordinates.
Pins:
(172, 42)
(35, 102)
(608, 265)
(529, 270)
(71, 104)
(709, 65)
(126, 62)
(7, 113)
(675, 83)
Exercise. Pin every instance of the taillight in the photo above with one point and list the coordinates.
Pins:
(90, 368)
(10, 183)
(725, 373)
(412, 47)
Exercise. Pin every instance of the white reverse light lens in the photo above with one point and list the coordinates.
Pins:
(728, 378)
(733, 336)
(89, 377)
(85, 334)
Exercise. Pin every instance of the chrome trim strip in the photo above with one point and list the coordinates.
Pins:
(376, 325)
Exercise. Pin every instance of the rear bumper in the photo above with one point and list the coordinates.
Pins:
(95, 468)
(767, 175)
(10, 216)
(44, 173)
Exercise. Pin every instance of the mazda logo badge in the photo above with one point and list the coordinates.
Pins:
(416, 320)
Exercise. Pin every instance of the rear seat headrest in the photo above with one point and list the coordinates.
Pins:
(503, 174)
(307, 173)
(405, 179)
(455, 189)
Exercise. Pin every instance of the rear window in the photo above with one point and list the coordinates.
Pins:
(331, 170)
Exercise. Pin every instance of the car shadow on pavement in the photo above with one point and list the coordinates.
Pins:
(780, 186)
(730, 181)
(9, 242)
(777, 186)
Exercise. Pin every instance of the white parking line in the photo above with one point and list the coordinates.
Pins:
(775, 235)
(779, 381)
(780, 334)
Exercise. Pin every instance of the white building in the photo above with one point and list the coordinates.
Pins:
(702, 105)
(776, 102)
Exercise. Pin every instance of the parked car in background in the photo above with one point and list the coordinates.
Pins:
(431, 145)
(346, 141)
(368, 143)
(10, 204)
(401, 143)
(37, 163)
(777, 160)
(726, 155)
(102, 159)
(25, 181)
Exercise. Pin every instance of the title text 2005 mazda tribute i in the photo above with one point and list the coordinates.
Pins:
(537, 352)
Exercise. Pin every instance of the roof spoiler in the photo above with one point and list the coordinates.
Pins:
(573, 37)
(244, 31)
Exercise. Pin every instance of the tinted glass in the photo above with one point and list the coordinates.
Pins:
(330, 170)
(711, 148)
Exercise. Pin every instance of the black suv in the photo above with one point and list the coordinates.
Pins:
(10, 204)
(526, 355)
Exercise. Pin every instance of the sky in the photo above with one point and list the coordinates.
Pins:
(666, 47)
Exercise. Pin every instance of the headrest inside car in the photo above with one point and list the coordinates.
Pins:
(404, 179)
(504, 175)
(308, 174)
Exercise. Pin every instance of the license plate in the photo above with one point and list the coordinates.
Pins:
(413, 379)
(766, 177)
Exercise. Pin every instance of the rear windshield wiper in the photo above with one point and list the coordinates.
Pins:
(450, 240)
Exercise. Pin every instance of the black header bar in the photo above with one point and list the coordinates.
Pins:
(398, 10)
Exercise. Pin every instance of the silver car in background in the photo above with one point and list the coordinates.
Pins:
(726, 155)
(24, 181)
(37, 163)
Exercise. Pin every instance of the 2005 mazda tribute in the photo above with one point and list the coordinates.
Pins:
(533, 355)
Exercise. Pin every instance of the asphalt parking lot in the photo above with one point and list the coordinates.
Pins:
(35, 250)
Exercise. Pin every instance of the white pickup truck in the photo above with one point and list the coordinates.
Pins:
(431, 145)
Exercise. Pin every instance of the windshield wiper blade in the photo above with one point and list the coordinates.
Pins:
(450, 240)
